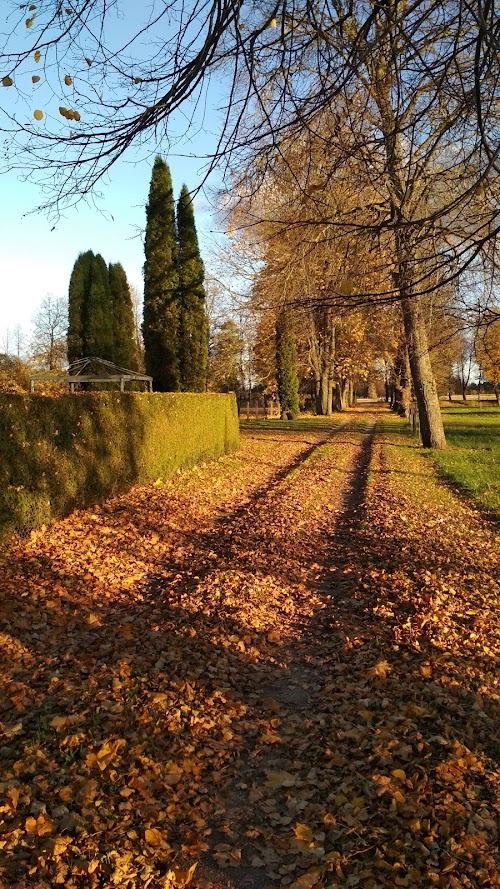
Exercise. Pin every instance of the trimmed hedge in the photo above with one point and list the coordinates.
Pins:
(60, 453)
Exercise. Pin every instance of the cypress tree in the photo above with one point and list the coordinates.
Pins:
(161, 281)
(97, 313)
(124, 345)
(193, 322)
(286, 365)
(78, 288)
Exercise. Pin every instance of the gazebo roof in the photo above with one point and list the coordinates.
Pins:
(92, 370)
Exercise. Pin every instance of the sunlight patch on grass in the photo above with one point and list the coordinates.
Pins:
(472, 461)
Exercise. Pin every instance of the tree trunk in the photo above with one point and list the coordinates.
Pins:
(406, 384)
(401, 397)
(317, 393)
(351, 399)
(341, 395)
(424, 384)
(325, 397)
(387, 384)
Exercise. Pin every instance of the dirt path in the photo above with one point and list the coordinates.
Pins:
(280, 666)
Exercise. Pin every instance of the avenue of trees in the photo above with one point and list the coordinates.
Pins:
(361, 142)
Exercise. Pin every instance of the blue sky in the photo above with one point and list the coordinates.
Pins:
(36, 258)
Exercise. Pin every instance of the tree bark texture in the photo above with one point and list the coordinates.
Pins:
(424, 383)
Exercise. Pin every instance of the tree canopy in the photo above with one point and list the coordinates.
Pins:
(193, 324)
(161, 283)
(410, 92)
(100, 313)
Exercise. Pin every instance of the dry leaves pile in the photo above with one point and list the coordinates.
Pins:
(279, 669)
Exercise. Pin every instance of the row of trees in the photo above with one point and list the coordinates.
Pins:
(403, 97)
(99, 321)
(100, 313)
(175, 326)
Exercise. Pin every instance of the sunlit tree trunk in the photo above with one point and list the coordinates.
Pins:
(424, 383)
(404, 208)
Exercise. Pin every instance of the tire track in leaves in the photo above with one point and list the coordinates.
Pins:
(117, 706)
(209, 672)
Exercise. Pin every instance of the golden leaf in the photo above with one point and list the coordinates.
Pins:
(381, 669)
(37, 55)
(179, 878)
(35, 78)
(173, 774)
(67, 80)
(399, 773)
(59, 844)
(13, 795)
(153, 837)
(7, 81)
(307, 880)
(58, 722)
(303, 832)
(108, 753)
(44, 825)
(270, 738)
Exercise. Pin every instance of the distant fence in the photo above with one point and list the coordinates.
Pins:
(258, 407)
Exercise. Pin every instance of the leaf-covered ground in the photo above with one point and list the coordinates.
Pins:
(278, 669)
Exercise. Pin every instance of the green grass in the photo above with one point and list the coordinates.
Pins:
(472, 461)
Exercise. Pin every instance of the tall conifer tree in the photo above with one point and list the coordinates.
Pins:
(97, 313)
(78, 288)
(193, 326)
(286, 364)
(124, 345)
(161, 281)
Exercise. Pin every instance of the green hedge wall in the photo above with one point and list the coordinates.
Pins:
(60, 453)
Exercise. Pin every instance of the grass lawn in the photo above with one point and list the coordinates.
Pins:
(472, 461)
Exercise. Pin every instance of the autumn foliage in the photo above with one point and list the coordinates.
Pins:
(275, 670)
